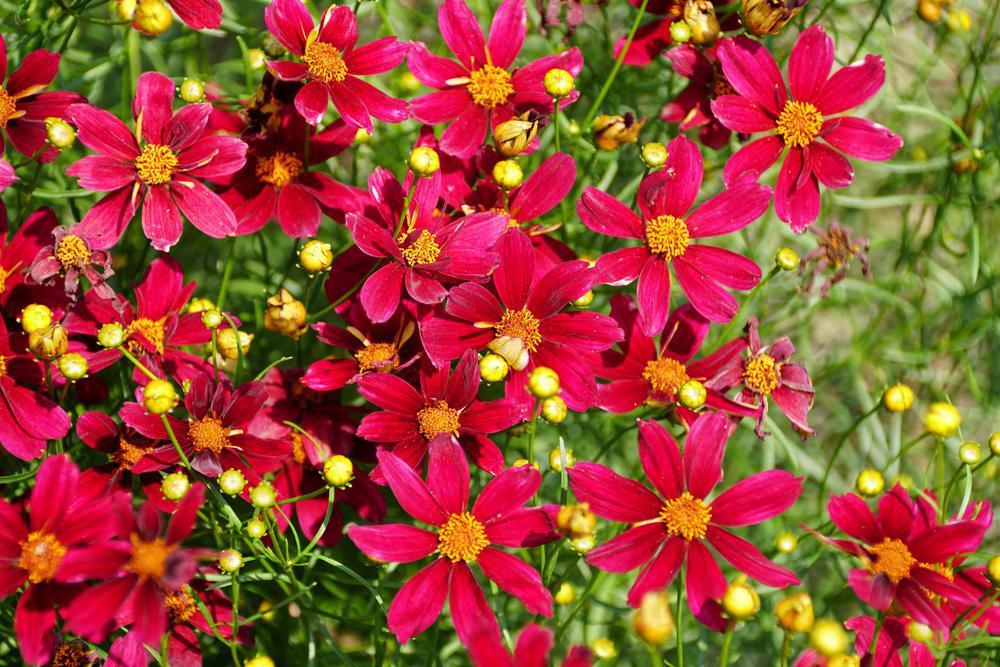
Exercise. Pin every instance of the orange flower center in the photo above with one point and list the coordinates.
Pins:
(298, 447)
(180, 606)
(945, 572)
(424, 250)
(761, 374)
(72, 252)
(377, 356)
(8, 107)
(667, 236)
(436, 419)
(208, 434)
(41, 555)
(799, 123)
(325, 62)
(893, 559)
(3, 365)
(156, 165)
(686, 516)
(278, 169)
(129, 453)
(149, 559)
(151, 330)
(70, 655)
(490, 86)
(521, 324)
(462, 537)
(665, 375)
(720, 84)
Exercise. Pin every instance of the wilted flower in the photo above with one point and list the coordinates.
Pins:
(835, 249)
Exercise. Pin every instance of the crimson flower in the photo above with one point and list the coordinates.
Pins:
(692, 106)
(480, 87)
(460, 537)
(67, 258)
(532, 650)
(17, 252)
(158, 167)
(667, 227)
(674, 526)
(331, 63)
(523, 324)
(762, 104)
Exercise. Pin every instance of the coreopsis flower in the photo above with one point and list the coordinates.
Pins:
(445, 407)
(425, 251)
(653, 37)
(138, 574)
(331, 64)
(68, 257)
(667, 226)
(692, 107)
(17, 252)
(24, 107)
(834, 250)
(460, 537)
(521, 321)
(674, 526)
(800, 122)
(902, 559)
(46, 549)
(533, 647)
(479, 87)
(157, 168)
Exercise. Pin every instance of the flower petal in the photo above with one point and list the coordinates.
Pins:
(507, 33)
(660, 571)
(612, 496)
(410, 491)
(703, 451)
(660, 458)
(606, 215)
(517, 578)
(860, 138)
(747, 559)
(756, 498)
(625, 552)
(462, 34)
(851, 86)
(420, 601)
(506, 492)
(470, 612)
(751, 70)
(810, 62)
(393, 542)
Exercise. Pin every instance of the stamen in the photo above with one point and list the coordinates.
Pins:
(436, 419)
(156, 165)
(180, 606)
(41, 555)
(799, 123)
(665, 375)
(151, 330)
(278, 169)
(893, 559)
(208, 434)
(686, 516)
(72, 252)
(521, 324)
(325, 62)
(129, 453)
(149, 559)
(490, 86)
(667, 236)
(761, 374)
(462, 538)
(424, 250)
(8, 107)
(381, 357)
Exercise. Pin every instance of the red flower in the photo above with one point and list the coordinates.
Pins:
(198, 14)
(17, 252)
(332, 63)
(762, 105)
(462, 537)
(24, 108)
(532, 650)
(69, 257)
(674, 526)
(667, 227)
(481, 87)
(445, 408)
(692, 107)
(160, 174)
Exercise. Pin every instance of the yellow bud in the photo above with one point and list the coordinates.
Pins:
(263, 495)
(576, 521)
(59, 133)
(613, 132)
(266, 609)
(828, 637)
(556, 459)
(230, 561)
(604, 649)
(558, 83)
(192, 90)
(993, 571)
(768, 17)
(73, 366)
(653, 620)
(285, 315)
(200, 305)
(507, 174)
(583, 544)
(259, 661)
(232, 482)
(700, 16)
(898, 398)
(844, 660)
(584, 300)
(795, 613)
(680, 32)
(49, 344)
(524, 462)
(408, 82)
(870, 482)
(316, 256)
(512, 136)
(740, 601)
(111, 335)
(125, 9)
(493, 367)
(995, 443)
(786, 542)
(152, 17)
(692, 394)
(338, 470)
(424, 161)
(212, 319)
(257, 59)
(958, 20)
(175, 486)
(942, 419)
(654, 155)
(36, 317)
(362, 136)
(787, 259)
(543, 382)
(920, 633)
(970, 453)
(929, 10)
(554, 410)
(566, 594)
(159, 397)
(231, 342)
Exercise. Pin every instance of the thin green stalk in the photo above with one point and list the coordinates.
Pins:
(868, 31)
(786, 648)
(592, 113)
(728, 331)
(138, 364)
(939, 463)
(679, 616)
(227, 273)
(726, 641)
(173, 439)
(836, 452)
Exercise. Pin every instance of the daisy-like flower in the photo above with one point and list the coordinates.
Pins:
(445, 407)
(667, 227)
(427, 250)
(532, 650)
(24, 107)
(17, 252)
(480, 88)
(521, 321)
(460, 537)
(67, 258)
(901, 559)
(766, 374)
(800, 122)
(158, 168)
(331, 63)
(674, 526)
(692, 106)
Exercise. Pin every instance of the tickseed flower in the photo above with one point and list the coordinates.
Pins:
(459, 538)
(674, 526)
(668, 227)
(761, 104)
(942, 419)
(68, 257)
(481, 89)
(331, 62)
(692, 108)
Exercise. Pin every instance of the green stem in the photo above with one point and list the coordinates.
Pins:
(227, 273)
(679, 616)
(177, 445)
(786, 648)
(728, 331)
(138, 364)
(726, 641)
(836, 452)
(939, 461)
(555, 121)
(868, 31)
(592, 113)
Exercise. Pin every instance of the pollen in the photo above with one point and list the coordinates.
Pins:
(686, 516)
(72, 252)
(521, 324)
(799, 123)
(325, 62)
(208, 434)
(667, 236)
(436, 419)
(462, 537)
(298, 447)
(151, 330)
(490, 86)
(720, 84)
(278, 169)
(761, 374)
(665, 375)
(893, 559)
(156, 165)
(381, 357)
(424, 250)
(180, 606)
(70, 655)
(41, 555)
(129, 453)
(945, 572)
(8, 107)
(3, 365)
(149, 559)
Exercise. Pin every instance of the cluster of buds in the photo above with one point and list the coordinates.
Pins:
(47, 339)
(285, 315)
(578, 524)
(955, 18)
(543, 383)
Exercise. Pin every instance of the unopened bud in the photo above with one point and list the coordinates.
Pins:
(920, 633)
(680, 32)
(507, 174)
(257, 59)
(192, 90)
(159, 397)
(970, 453)
(898, 398)
(786, 542)
(49, 344)
(316, 256)
(256, 528)
(993, 571)
(212, 319)
(152, 17)
(554, 410)
(556, 459)
(493, 367)
(942, 419)
(583, 544)
(692, 394)
(795, 613)
(230, 561)
(585, 300)
(200, 305)
(566, 594)
(995, 443)
(524, 462)
(558, 83)
(613, 132)
(543, 382)
(231, 343)
(111, 336)
(740, 601)
(263, 496)
(338, 471)
(654, 155)
(576, 521)
(175, 486)
(828, 637)
(59, 133)
(787, 259)
(604, 649)
(285, 315)
(512, 136)
(424, 161)
(768, 17)
(232, 482)
(125, 9)
(700, 16)
(870, 482)
(36, 317)
(653, 621)
(259, 661)
(73, 366)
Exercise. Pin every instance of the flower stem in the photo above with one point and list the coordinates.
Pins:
(138, 364)
(836, 452)
(726, 641)
(617, 66)
(227, 273)
(679, 615)
(173, 439)
(786, 648)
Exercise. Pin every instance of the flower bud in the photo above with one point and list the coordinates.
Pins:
(958, 20)
(768, 17)
(232, 482)
(362, 136)
(49, 344)
(424, 161)
(828, 637)
(152, 17)
(285, 315)
(408, 82)
(898, 398)
(919, 632)
(230, 561)
(699, 15)
(554, 410)
(159, 397)
(870, 482)
(231, 343)
(786, 542)
(970, 453)
(583, 544)
(338, 471)
(903, 480)
(844, 660)
(257, 59)
(740, 601)
(125, 9)
(256, 528)
(111, 336)
(73, 366)
(613, 132)
(786, 259)
(654, 155)
(59, 133)
(566, 594)
(507, 174)
(692, 394)
(200, 305)
(524, 462)
(556, 459)
(995, 443)
(263, 496)
(585, 300)
(212, 319)
(175, 486)
(316, 256)
(929, 10)
(653, 620)
(576, 521)
(259, 661)
(36, 317)
(993, 571)
(604, 649)
(543, 382)
(795, 612)
(192, 90)
(942, 419)
(680, 32)
(512, 136)
(493, 367)
(558, 83)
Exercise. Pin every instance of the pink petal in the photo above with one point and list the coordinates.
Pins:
(940, 544)
(338, 27)
(861, 138)
(731, 210)
(705, 586)
(756, 498)
(103, 132)
(673, 189)
(549, 184)
(796, 194)
(522, 527)
(558, 286)
(507, 33)
(34, 623)
(462, 34)
(660, 458)
(91, 615)
(441, 107)
(622, 266)
(470, 612)
(703, 450)
(420, 601)
(741, 115)
(747, 559)
(311, 102)
(518, 578)
(467, 132)
(161, 221)
(851, 86)
(506, 492)
(378, 104)
(653, 296)
(751, 70)
(753, 159)
(203, 208)
(447, 474)
(298, 213)
(153, 102)
(705, 295)
(660, 571)
(629, 550)
(288, 70)
(198, 14)
(831, 168)
(393, 542)
(474, 303)
(606, 215)
(433, 70)
(809, 64)
(37, 70)
(381, 292)
(612, 496)
(102, 174)
(289, 21)
(213, 156)
(512, 278)
(410, 491)
(852, 516)
(581, 331)
(871, 588)
(376, 57)
(724, 266)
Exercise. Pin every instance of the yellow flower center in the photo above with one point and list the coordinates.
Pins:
(462, 537)
(686, 516)
(436, 419)
(3, 365)
(520, 324)
(149, 559)
(667, 236)
(151, 330)
(278, 169)
(41, 555)
(156, 165)
(180, 606)
(8, 107)
(893, 559)
(799, 123)
(325, 62)
(377, 356)
(761, 374)
(70, 655)
(665, 375)
(129, 453)
(490, 86)
(208, 434)
(72, 252)
(424, 250)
